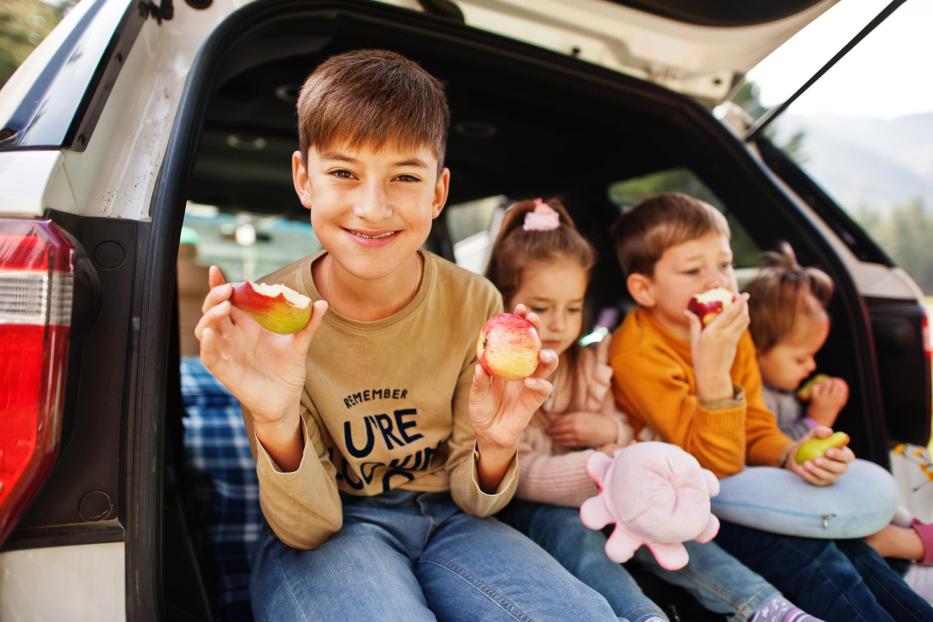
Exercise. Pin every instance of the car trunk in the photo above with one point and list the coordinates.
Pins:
(525, 122)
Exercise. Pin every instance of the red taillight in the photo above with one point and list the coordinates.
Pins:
(36, 278)
(927, 333)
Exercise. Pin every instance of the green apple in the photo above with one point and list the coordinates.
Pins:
(805, 392)
(816, 447)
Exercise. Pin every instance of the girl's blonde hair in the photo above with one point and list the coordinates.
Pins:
(783, 294)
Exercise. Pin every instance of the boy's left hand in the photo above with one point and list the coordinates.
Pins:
(822, 471)
(583, 429)
(828, 398)
(501, 409)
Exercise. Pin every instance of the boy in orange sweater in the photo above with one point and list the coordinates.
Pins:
(700, 388)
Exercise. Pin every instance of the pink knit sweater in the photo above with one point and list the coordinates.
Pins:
(549, 473)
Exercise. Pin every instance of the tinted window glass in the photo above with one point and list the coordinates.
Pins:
(627, 193)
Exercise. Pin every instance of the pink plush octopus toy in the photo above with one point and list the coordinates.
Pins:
(657, 495)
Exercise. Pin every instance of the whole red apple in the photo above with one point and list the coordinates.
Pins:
(508, 346)
(709, 304)
(276, 308)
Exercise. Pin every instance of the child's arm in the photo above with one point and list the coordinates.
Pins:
(585, 429)
(558, 480)
(500, 411)
(714, 348)
(828, 399)
(302, 506)
(765, 441)
(266, 372)
(600, 423)
(469, 458)
(654, 387)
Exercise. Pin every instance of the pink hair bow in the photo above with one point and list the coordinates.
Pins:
(543, 218)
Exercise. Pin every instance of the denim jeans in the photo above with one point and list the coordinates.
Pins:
(717, 580)
(839, 581)
(416, 556)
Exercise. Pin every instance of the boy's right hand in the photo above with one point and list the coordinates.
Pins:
(714, 348)
(265, 371)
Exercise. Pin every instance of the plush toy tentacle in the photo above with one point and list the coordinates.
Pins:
(712, 482)
(669, 556)
(709, 532)
(594, 513)
(621, 545)
(597, 465)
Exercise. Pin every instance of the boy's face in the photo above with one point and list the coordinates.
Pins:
(791, 360)
(371, 209)
(683, 271)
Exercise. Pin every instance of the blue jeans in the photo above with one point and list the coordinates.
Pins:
(839, 581)
(416, 556)
(717, 580)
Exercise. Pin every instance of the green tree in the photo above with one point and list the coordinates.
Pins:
(906, 234)
(23, 25)
(748, 97)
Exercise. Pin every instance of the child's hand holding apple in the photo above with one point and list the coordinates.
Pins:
(264, 370)
(820, 457)
(509, 385)
(714, 341)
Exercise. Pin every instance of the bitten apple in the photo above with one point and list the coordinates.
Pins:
(508, 346)
(816, 447)
(277, 308)
(805, 392)
(707, 305)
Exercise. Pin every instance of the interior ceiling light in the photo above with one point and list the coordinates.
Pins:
(245, 142)
(287, 93)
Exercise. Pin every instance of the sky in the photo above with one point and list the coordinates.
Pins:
(889, 74)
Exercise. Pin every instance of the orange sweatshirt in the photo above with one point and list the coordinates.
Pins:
(655, 384)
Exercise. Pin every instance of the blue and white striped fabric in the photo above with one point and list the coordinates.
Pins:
(217, 448)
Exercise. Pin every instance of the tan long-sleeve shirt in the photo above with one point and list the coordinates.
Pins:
(384, 406)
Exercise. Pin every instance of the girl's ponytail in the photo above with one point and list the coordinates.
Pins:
(783, 293)
(534, 231)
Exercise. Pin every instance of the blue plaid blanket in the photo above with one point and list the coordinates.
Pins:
(217, 449)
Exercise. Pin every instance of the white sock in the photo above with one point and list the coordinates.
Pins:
(920, 580)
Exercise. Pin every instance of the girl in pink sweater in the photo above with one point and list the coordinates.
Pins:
(541, 260)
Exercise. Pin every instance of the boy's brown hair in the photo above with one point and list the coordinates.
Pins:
(657, 223)
(783, 295)
(373, 98)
